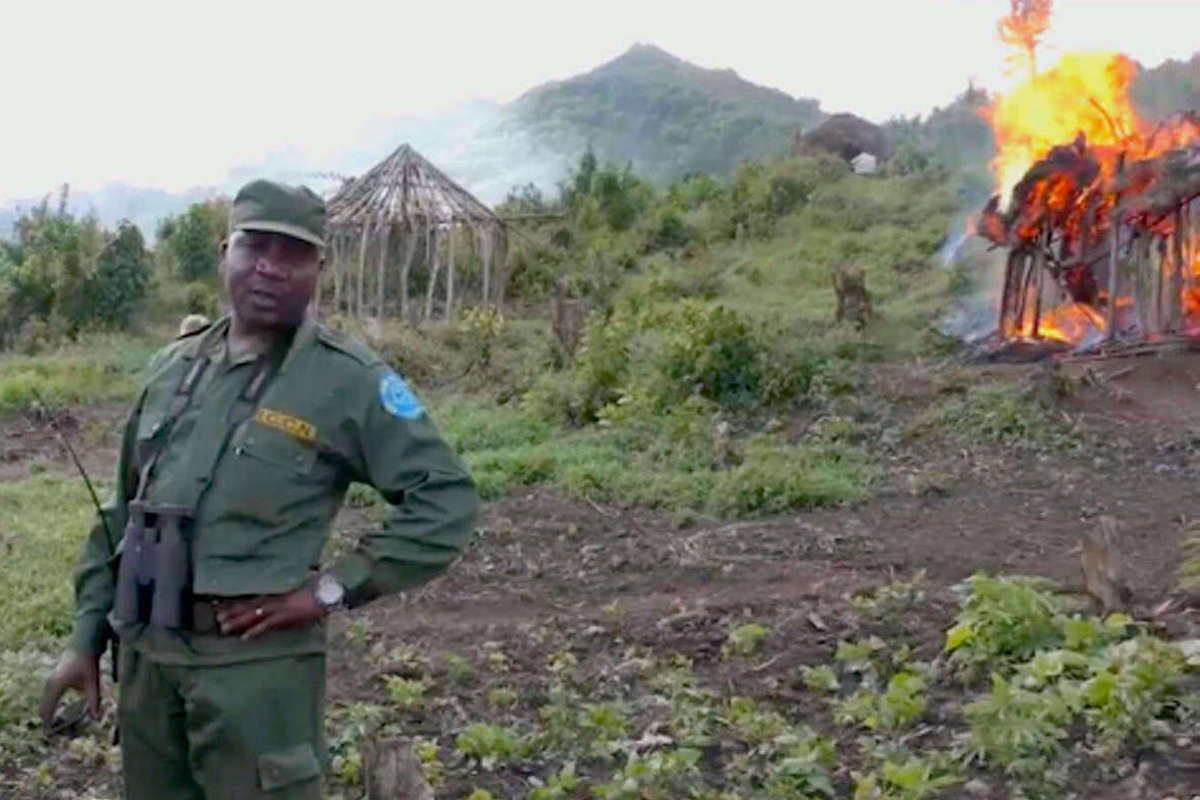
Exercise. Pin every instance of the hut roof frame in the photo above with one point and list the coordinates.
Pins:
(407, 189)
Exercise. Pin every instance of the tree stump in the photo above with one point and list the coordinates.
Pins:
(567, 318)
(853, 299)
(1101, 564)
(392, 772)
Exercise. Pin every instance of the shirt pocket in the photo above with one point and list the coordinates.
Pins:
(275, 449)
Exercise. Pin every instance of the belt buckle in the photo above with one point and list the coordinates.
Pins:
(204, 618)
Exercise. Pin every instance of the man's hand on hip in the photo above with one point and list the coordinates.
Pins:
(80, 671)
(253, 617)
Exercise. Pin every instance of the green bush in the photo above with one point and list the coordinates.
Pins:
(64, 275)
(1004, 620)
(998, 413)
(775, 478)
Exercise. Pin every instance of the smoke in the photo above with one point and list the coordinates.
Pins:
(979, 272)
(478, 144)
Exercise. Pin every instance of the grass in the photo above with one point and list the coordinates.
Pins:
(891, 228)
(43, 520)
(103, 368)
(507, 448)
(995, 412)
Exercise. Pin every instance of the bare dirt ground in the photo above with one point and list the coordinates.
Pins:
(548, 574)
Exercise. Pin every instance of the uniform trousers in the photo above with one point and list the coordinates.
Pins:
(245, 731)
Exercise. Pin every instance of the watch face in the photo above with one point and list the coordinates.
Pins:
(329, 591)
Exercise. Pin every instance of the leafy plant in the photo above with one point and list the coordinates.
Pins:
(561, 784)
(912, 779)
(1004, 620)
(756, 726)
(899, 706)
(502, 697)
(1130, 688)
(890, 601)
(405, 693)
(660, 775)
(746, 639)
(488, 744)
(1019, 729)
(605, 724)
(820, 678)
(803, 769)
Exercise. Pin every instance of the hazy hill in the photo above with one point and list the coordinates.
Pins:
(667, 116)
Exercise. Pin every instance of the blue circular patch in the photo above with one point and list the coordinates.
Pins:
(397, 398)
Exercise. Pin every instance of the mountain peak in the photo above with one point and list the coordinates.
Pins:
(668, 116)
(644, 52)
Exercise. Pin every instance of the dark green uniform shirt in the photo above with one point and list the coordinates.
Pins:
(265, 489)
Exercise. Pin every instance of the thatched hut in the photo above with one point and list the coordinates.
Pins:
(844, 135)
(404, 228)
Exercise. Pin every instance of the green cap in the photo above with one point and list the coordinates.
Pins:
(295, 211)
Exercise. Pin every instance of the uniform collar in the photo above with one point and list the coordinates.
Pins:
(213, 342)
(306, 334)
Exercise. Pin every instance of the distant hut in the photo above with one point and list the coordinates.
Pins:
(405, 227)
(844, 135)
(865, 164)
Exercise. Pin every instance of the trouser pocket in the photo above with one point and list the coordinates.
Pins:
(288, 767)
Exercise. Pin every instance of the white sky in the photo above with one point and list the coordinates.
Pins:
(173, 95)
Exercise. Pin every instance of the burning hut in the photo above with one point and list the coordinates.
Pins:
(406, 224)
(1100, 224)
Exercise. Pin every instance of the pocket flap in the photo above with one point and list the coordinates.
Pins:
(285, 767)
(277, 448)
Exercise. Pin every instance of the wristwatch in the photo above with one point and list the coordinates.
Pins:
(329, 593)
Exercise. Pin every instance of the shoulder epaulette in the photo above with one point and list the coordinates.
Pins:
(351, 347)
(194, 332)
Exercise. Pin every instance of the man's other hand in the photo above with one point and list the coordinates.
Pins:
(253, 617)
(79, 671)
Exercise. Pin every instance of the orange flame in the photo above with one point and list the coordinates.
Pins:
(1085, 93)
(1069, 141)
(1027, 20)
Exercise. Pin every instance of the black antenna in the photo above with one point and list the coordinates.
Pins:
(75, 458)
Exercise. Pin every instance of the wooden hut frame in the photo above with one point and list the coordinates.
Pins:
(1142, 255)
(405, 207)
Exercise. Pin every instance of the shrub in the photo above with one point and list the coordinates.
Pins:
(1004, 620)
(710, 350)
(775, 478)
(999, 413)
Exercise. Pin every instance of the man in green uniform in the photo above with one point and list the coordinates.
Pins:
(205, 564)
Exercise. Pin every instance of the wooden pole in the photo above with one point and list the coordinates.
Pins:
(383, 251)
(1145, 287)
(1026, 273)
(450, 271)
(1113, 284)
(1181, 277)
(433, 272)
(1039, 265)
(360, 301)
(1006, 298)
(337, 274)
(410, 248)
(485, 253)
(1156, 262)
